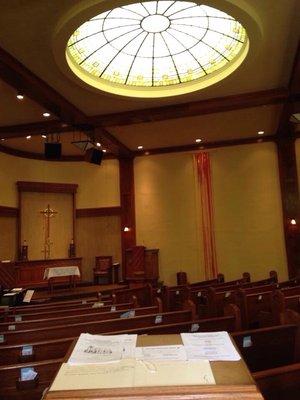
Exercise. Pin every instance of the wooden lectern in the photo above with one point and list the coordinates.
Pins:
(141, 265)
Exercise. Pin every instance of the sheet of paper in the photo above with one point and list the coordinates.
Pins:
(96, 376)
(173, 373)
(173, 352)
(212, 346)
(10, 294)
(28, 296)
(17, 289)
(95, 349)
(133, 373)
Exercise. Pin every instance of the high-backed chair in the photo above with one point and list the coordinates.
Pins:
(103, 270)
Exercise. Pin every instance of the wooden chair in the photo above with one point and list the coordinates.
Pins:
(103, 270)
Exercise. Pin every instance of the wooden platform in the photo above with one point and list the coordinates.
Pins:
(59, 294)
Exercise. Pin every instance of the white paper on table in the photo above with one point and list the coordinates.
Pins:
(212, 346)
(10, 294)
(172, 352)
(95, 349)
(17, 289)
(133, 373)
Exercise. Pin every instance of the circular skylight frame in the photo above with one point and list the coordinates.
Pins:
(179, 85)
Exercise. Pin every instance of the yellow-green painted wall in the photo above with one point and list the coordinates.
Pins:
(98, 186)
(247, 204)
(248, 213)
(166, 213)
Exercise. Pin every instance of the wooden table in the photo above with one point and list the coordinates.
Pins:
(233, 382)
(57, 272)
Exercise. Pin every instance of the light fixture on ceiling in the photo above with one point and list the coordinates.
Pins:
(2, 139)
(140, 147)
(293, 221)
(98, 144)
(198, 140)
(260, 132)
(126, 229)
(20, 96)
(85, 145)
(44, 136)
(46, 114)
(104, 150)
(28, 137)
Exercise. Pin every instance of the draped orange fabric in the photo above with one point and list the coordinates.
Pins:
(207, 211)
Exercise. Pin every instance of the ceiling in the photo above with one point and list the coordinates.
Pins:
(30, 31)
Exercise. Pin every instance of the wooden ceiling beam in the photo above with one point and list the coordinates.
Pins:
(34, 129)
(292, 103)
(192, 109)
(26, 82)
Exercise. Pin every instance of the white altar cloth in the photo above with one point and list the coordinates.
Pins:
(61, 271)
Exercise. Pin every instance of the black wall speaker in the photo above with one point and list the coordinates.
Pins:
(93, 156)
(52, 151)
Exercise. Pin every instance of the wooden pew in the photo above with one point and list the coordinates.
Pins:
(72, 319)
(268, 347)
(9, 376)
(57, 348)
(282, 383)
(70, 311)
(68, 330)
(67, 305)
(252, 301)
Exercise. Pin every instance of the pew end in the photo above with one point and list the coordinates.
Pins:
(233, 310)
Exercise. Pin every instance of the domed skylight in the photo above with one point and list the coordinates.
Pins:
(156, 44)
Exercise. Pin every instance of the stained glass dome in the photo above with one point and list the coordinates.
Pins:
(156, 44)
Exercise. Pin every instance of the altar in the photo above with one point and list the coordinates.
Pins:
(31, 273)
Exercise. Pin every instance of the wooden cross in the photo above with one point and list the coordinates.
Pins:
(48, 213)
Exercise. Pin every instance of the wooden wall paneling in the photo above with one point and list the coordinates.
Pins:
(46, 187)
(8, 211)
(74, 218)
(128, 238)
(290, 201)
(19, 225)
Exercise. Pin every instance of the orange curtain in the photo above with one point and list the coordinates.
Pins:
(205, 188)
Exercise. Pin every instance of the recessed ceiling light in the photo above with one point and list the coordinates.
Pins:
(98, 144)
(46, 114)
(140, 147)
(20, 96)
(104, 150)
(260, 132)
(44, 136)
(28, 137)
(198, 140)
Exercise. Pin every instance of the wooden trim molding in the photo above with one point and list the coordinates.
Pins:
(8, 211)
(40, 156)
(98, 212)
(204, 146)
(45, 187)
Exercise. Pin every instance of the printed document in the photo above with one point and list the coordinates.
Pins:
(212, 346)
(95, 349)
